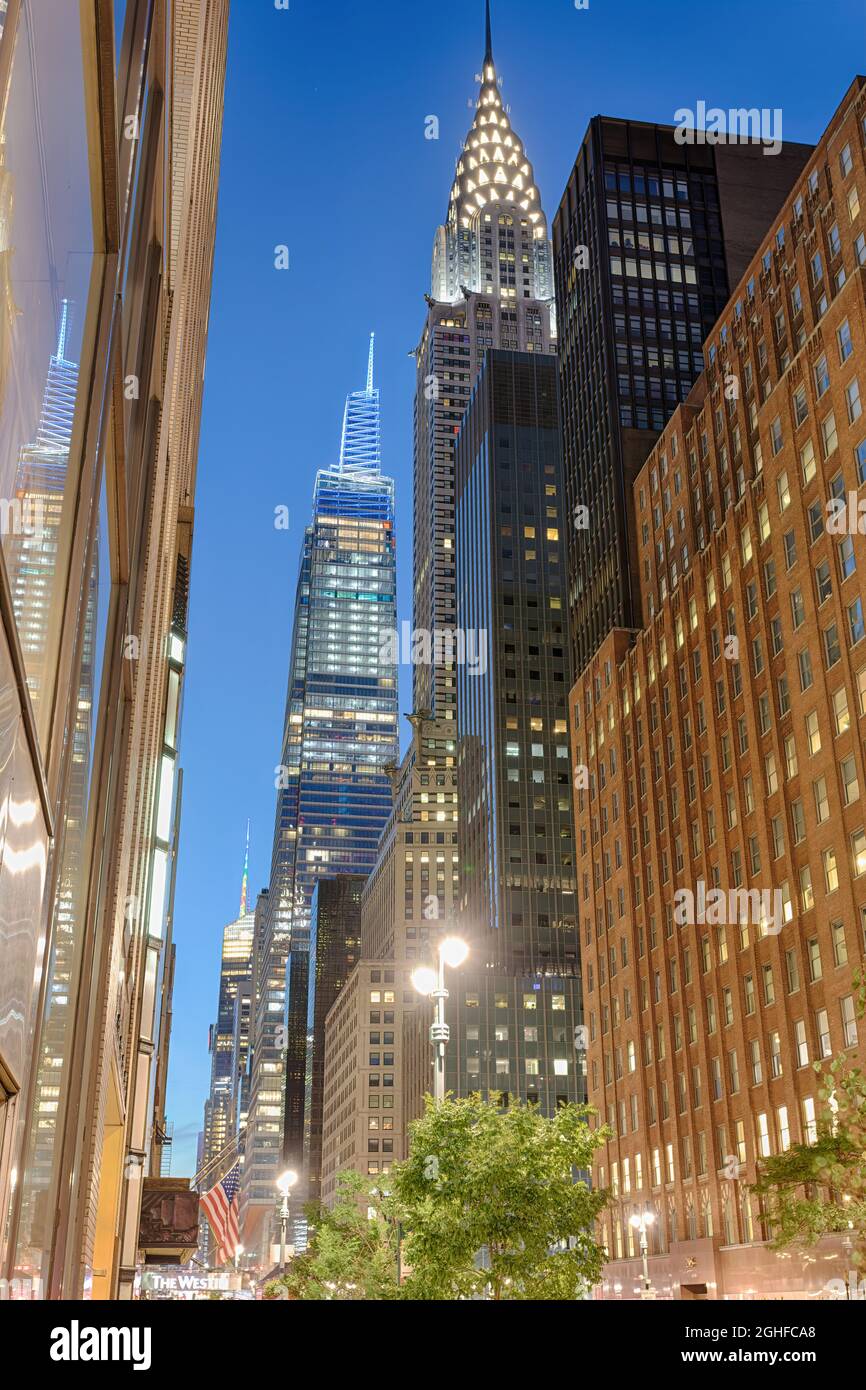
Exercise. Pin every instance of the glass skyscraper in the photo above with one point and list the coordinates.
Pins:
(222, 1107)
(340, 731)
(229, 1041)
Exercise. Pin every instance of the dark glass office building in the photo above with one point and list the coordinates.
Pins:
(516, 1003)
(335, 949)
(650, 238)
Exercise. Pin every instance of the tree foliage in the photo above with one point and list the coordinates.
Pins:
(351, 1256)
(817, 1189)
(499, 1186)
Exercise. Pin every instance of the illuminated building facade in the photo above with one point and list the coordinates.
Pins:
(516, 1003)
(492, 286)
(263, 1136)
(340, 727)
(230, 1033)
(720, 773)
(377, 1060)
(648, 239)
(229, 1048)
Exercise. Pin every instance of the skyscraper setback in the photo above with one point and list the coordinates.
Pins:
(340, 729)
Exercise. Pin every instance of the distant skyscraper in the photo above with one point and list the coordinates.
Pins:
(229, 1037)
(649, 238)
(492, 286)
(263, 1137)
(340, 728)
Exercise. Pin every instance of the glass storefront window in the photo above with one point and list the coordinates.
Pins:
(23, 862)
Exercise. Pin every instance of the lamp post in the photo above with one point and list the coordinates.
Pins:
(285, 1183)
(642, 1222)
(453, 952)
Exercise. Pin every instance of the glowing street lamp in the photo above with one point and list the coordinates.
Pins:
(641, 1221)
(453, 951)
(431, 982)
(285, 1182)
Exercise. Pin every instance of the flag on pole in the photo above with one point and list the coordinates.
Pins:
(221, 1209)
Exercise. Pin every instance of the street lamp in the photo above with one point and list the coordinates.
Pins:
(452, 952)
(642, 1222)
(285, 1183)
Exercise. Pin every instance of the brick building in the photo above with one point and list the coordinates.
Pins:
(720, 747)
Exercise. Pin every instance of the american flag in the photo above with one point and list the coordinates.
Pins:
(221, 1210)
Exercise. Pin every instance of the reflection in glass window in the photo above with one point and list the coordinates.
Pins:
(46, 260)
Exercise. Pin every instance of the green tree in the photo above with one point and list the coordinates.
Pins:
(795, 1186)
(498, 1184)
(351, 1256)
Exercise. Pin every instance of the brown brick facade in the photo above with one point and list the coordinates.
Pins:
(723, 745)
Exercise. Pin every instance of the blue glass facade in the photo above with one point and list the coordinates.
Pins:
(334, 795)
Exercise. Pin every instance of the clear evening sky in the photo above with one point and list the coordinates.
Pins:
(324, 152)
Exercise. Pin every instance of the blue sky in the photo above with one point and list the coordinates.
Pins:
(324, 152)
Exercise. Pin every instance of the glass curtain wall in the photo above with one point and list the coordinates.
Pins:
(53, 534)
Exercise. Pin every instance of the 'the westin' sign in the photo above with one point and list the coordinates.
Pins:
(152, 1282)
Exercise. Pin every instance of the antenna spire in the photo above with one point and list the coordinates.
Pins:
(63, 331)
(370, 365)
(246, 878)
(488, 56)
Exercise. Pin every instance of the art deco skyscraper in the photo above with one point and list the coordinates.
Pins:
(492, 286)
(341, 711)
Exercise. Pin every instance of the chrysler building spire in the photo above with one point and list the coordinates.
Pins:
(492, 287)
(494, 186)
